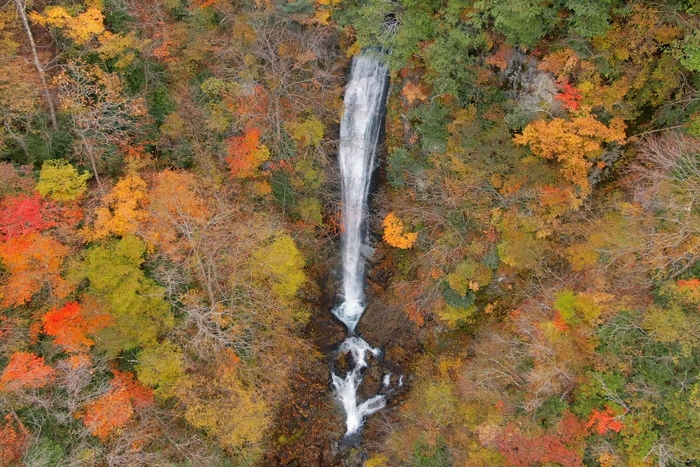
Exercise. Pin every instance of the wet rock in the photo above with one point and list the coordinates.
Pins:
(371, 383)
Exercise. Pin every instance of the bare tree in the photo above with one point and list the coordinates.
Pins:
(21, 10)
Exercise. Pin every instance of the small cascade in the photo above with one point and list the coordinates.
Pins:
(359, 133)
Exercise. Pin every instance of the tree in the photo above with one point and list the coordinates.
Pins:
(574, 144)
(176, 212)
(113, 410)
(562, 446)
(32, 261)
(161, 367)
(134, 301)
(59, 180)
(21, 10)
(123, 210)
(70, 327)
(246, 153)
(25, 370)
(394, 233)
(234, 414)
(13, 442)
(280, 266)
(102, 114)
(22, 215)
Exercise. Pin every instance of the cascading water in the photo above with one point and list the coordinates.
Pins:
(359, 133)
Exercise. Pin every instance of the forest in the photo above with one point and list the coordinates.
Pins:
(170, 229)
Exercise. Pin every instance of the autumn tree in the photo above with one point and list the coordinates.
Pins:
(394, 233)
(32, 261)
(61, 181)
(22, 215)
(70, 327)
(134, 301)
(101, 113)
(114, 409)
(25, 370)
(246, 154)
(123, 208)
(575, 144)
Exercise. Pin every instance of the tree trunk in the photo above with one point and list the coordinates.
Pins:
(37, 63)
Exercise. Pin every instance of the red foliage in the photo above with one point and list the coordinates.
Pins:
(113, 410)
(564, 445)
(21, 215)
(70, 327)
(603, 421)
(25, 370)
(13, 441)
(569, 95)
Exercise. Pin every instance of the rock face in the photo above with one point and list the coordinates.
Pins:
(532, 88)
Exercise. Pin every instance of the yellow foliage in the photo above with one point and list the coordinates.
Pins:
(380, 460)
(114, 45)
(232, 413)
(309, 132)
(394, 233)
(123, 208)
(80, 28)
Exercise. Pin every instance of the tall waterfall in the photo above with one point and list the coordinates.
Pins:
(359, 133)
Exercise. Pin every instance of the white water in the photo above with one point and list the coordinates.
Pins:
(359, 133)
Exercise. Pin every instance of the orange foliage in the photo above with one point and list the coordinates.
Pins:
(559, 322)
(32, 261)
(204, 3)
(410, 294)
(176, 208)
(70, 327)
(25, 370)
(413, 92)
(12, 442)
(245, 153)
(603, 421)
(690, 284)
(394, 233)
(113, 410)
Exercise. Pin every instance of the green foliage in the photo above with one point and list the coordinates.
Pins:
(590, 17)
(160, 102)
(691, 52)
(469, 275)
(61, 181)
(523, 22)
(449, 59)
(44, 452)
(431, 125)
(431, 455)
(308, 132)
(399, 167)
(310, 211)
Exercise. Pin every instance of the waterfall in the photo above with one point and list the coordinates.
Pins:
(359, 133)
